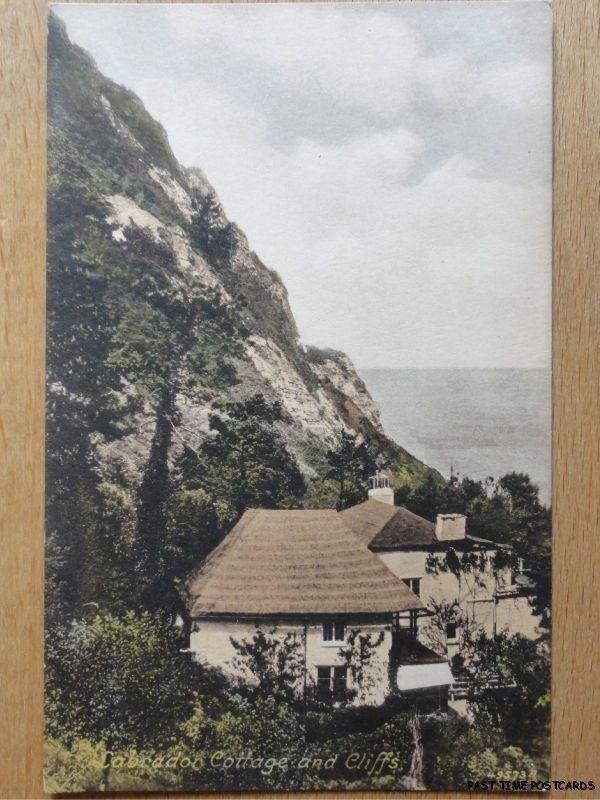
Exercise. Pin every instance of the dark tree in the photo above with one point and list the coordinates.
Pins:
(510, 684)
(155, 585)
(247, 463)
(274, 663)
(351, 463)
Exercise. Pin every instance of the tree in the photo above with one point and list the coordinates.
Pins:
(530, 537)
(118, 681)
(90, 556)
(246, 463)
(81, 384)
(169, 342)
(503, 764)
(108, 569)
(350, 465)
(209, 231)
(264, 737)
(155, 584)
(357, 655)
(507, 511)
(510, 684)
(456, 750)
(274, 662)
(195, 525)
(521, 492)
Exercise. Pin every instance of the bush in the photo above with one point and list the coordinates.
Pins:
(449, 744)
(119, 682)
(264, 729)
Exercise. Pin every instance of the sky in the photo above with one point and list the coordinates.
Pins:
(391, 161)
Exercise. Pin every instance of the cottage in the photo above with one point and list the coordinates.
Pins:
(444, 565)
(307, 573)
(326, 577)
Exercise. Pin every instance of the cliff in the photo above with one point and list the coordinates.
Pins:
(151, 285)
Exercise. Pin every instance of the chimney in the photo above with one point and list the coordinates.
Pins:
(449, 527)
(381, 489)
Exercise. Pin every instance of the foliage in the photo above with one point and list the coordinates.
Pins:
(209, 231)
(322, 493)
(507, 764)
(507, 511)
(154, 585)
(345, 761)
(357, 654)
(274, 662)
(441, 614)
(522, 669)
(350, 465)
(91, 560)
(262, 730)
(117, 681)
(246, 462)
(77, 768)
(449, 744)
(195, 525)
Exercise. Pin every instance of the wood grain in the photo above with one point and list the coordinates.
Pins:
(576, 666)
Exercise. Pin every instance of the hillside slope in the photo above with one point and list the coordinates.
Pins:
(151, 290)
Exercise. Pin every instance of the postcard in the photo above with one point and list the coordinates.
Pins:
(298, 526)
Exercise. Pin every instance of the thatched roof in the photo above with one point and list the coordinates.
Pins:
(368, 518)
(294, 563)
(384, 527)
(405, 529)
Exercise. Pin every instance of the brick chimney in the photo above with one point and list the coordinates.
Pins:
(449, 527)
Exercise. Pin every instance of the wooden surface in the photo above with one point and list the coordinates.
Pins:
(576, 666)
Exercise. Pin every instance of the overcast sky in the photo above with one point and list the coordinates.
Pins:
(391, 162)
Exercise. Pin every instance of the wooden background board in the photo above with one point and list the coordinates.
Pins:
(576, 666)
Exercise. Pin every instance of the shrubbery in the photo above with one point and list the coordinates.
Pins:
(127, 710)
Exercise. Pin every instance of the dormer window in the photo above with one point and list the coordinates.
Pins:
(334, 632)
(414, 584)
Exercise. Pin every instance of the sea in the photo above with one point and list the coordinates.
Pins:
(473, 422)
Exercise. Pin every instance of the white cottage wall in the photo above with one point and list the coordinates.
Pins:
(476, 596)
(210, 643)
(515, 615)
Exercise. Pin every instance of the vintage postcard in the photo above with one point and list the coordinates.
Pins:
(298, 396)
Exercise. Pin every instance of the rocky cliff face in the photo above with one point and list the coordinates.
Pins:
(133, 225)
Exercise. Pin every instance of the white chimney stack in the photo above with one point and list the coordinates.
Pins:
(449, 527)
(381, 489)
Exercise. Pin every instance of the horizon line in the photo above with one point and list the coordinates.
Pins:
(432, 369)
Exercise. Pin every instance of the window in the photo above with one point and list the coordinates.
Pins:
(451, 631)
(331, 682)
(414, 584)
(323, 681)
(334, 632)
(339, 682)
